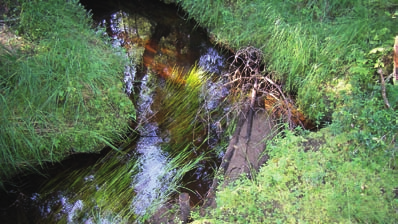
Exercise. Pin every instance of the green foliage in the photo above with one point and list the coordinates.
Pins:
(37, 23)
(312, 180)
(370, 126)
(103, 190)
(363, 115)
(61, 91)
(106, 191)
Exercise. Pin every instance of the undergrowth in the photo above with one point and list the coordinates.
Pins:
(312, 178)
(61, 90)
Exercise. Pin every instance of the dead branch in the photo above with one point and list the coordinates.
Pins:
(244, 75)
(396, 61)
(383, 88)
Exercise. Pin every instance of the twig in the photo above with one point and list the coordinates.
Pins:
(245, 74)
(8, 20)
(383, 88)
(396, 61)
(251, 112)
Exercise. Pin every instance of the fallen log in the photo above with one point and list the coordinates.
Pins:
(245, 154)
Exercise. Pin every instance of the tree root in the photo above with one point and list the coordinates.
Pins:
(245, 74)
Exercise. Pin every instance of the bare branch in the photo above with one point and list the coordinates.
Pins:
(245, 75)
(383, 88)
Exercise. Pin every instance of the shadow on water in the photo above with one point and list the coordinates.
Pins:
(157, 39)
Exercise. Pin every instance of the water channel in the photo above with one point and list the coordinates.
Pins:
(110, 186)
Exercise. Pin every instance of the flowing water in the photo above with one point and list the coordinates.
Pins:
(156, 39)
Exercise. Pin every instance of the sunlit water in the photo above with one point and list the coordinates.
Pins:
(151, 181)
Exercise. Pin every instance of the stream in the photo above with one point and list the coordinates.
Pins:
(112, 187)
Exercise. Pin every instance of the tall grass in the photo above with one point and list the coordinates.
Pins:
(61, 92)
(104, 192)
(308, 45)
(179, 165)
(184, 113)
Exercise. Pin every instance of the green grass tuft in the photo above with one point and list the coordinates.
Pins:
(183, 108)
(61, 91)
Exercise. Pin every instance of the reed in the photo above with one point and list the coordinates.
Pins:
(178, 166)
(103, 190)
(183, 109)
(106, 191)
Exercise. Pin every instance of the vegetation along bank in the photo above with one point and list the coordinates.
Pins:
(336, 59)
(61, 85)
